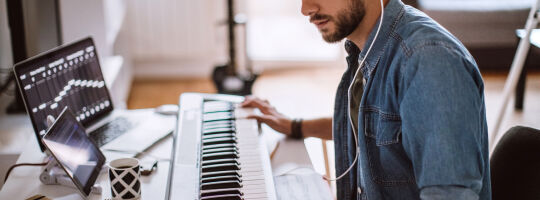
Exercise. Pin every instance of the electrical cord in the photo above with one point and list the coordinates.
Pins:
(22, 164)
(157, 158)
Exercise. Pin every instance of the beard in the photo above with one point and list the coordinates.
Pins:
(345, 22)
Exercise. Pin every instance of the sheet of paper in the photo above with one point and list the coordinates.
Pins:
(302, 186)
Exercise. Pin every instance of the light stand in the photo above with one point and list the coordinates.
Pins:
(226, 77)
(515, 71)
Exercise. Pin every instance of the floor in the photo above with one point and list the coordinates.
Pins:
(309, 93)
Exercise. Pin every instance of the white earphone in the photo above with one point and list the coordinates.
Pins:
(355, 134)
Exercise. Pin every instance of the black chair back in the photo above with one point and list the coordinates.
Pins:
(515, 165)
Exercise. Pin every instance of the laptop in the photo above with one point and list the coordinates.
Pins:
(71, 76)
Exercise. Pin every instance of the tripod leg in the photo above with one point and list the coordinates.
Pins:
(520, 89)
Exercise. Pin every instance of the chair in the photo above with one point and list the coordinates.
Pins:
(515, 165)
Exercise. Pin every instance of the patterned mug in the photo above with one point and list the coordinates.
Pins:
(124, 174)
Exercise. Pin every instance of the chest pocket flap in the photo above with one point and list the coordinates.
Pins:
(384, 128)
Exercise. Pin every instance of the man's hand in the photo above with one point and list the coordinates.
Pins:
(270, 116)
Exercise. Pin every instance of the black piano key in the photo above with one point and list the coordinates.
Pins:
(219, 130)
(220, 167)
(215, 146)
(221, 140)
(221, 155)
(208, 193)
(218, 119)
(221, 185)
(221, 173)
(223, 197)
(221, 178)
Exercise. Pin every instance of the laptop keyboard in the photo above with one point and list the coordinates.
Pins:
(110, 131)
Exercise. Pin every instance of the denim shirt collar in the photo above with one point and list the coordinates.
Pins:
(392, 13)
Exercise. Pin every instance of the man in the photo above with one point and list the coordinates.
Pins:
(417, 106)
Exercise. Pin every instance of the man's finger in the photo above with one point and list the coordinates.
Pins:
(247, 99)
(258, 103)
(261, 118)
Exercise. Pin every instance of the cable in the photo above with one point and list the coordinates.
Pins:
(22, 164)
(355, 134)
(137, 153)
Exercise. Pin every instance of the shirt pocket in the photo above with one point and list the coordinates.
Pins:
(388, 162)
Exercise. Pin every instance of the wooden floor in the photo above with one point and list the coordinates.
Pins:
(152, 93)
(309, 92)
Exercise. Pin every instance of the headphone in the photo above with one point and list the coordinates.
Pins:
(355, 134)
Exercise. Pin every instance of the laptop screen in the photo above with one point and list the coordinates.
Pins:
(67, 76)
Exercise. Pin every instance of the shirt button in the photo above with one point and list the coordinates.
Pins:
(359, 190)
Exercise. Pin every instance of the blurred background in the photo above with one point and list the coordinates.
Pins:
(152, 51)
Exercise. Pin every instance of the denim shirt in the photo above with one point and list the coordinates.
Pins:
(421, 119)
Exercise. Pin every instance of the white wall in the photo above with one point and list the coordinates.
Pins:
(175, 38)
(186, 38)
(81, 18)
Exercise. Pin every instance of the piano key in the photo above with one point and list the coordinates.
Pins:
(230, 123)
(217, 150)
(220, 167)
(221, 173)
(252, 178)
(223, 140)
(255, 196)
(214, 146)
(221, 178)
(217, 118)
(220, 135)
(221, 155)
(215, 192)
(217, 126)
(219, 130)
(212, 105)
(221, 185)
(220, 161)
(217, 115)
(253, 187)
(223, 197)
(250, 173)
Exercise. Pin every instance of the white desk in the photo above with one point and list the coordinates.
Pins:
(23, 181)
